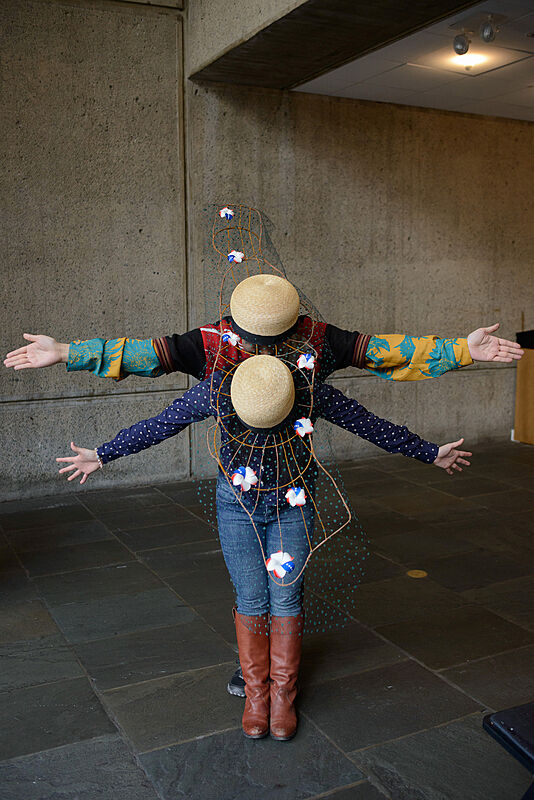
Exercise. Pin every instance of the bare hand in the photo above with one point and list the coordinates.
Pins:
(449, 458)
(85, 462)
(42, 352)
(484, 347)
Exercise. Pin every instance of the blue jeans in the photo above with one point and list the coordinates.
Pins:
(256, 592)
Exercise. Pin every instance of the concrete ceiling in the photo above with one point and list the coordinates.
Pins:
(416, 70)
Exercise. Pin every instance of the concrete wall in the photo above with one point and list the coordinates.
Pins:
(92, 222)
(391, 219)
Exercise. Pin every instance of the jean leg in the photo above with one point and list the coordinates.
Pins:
(243, 556)
(286, 599)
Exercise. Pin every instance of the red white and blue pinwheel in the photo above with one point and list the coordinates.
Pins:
(303, 426)
(306, 361)
(230, 336)
(236, 255)
(296, 496)
(280, 563)
(226, 213)
(245, 477)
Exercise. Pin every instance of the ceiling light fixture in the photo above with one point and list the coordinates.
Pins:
(487, 30)
(461, 44)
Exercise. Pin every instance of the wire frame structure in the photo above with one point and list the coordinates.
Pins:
(290, 466)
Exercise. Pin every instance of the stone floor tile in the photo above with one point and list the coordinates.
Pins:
(513, 599)
(149, 654)
(202, 586)
(100, 768)
(468, 486)
(334, 655)
(106, 501)
(167, 561)
(129, 518)
(38, 661)
(64, 534)
(54, 512)
(474, 569)
(456, 635)
(22, 620)
(458, 760)
(501, 681)
(377, 568)
(244, 769)
(406, 548)
(218, 615)
(359, 791)
(88, 584)
(383, 703)
(161, 712)
(422, 500)
(509, 502)
(388, 523)
(186, 494)
(402, 598)
(119, 614)
(51, 560)
(41, 717)
(169, 534)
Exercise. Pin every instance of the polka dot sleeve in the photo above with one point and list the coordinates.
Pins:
(193, 406)
(347, 413)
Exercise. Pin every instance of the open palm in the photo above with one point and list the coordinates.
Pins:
(485, 347)
(42, 352)
(84, 463)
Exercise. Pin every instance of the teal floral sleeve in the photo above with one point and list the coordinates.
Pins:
(115, 358)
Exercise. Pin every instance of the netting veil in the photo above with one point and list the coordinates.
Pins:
(290, 463)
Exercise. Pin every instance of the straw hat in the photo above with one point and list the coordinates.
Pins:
(265, 305)
(262, 391)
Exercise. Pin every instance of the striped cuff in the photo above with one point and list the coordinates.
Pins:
(360, 349)
(161, 346)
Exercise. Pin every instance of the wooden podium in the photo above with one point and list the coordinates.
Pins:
(524, 399)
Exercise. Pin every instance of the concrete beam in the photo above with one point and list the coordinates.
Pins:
(320, 35)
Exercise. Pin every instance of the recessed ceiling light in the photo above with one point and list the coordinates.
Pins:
(468, 60)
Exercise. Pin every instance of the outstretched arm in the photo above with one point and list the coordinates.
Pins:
(193, 406)
(414, 358)
(347, 413)
(114, 358)
(400, 357)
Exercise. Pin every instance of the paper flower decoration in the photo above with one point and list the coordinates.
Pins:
(235, 255)
(226, 213)
(245, 477)
(303, 426)
(296, 496)
(230, 336)
(306, 361)
(280, 563)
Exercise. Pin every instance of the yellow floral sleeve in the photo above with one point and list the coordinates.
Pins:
(398, 357)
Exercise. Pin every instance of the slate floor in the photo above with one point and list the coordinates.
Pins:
(116, 643)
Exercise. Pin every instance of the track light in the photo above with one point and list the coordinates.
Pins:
(461, 44)
(487, 30)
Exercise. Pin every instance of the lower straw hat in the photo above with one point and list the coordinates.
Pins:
(262, 391)
(265, 306)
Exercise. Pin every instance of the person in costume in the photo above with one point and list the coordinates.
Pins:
(266, 317)
(268, 504)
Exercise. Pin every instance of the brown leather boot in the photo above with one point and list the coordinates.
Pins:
(253, 643)
(286, 648)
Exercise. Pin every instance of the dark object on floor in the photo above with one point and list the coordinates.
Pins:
(525, 338)
(236, 684)
(513, 728)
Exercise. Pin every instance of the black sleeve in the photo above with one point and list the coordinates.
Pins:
(182, 352)
(344, 348)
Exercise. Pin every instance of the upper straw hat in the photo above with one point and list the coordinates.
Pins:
(262, 391)
(265, 305)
